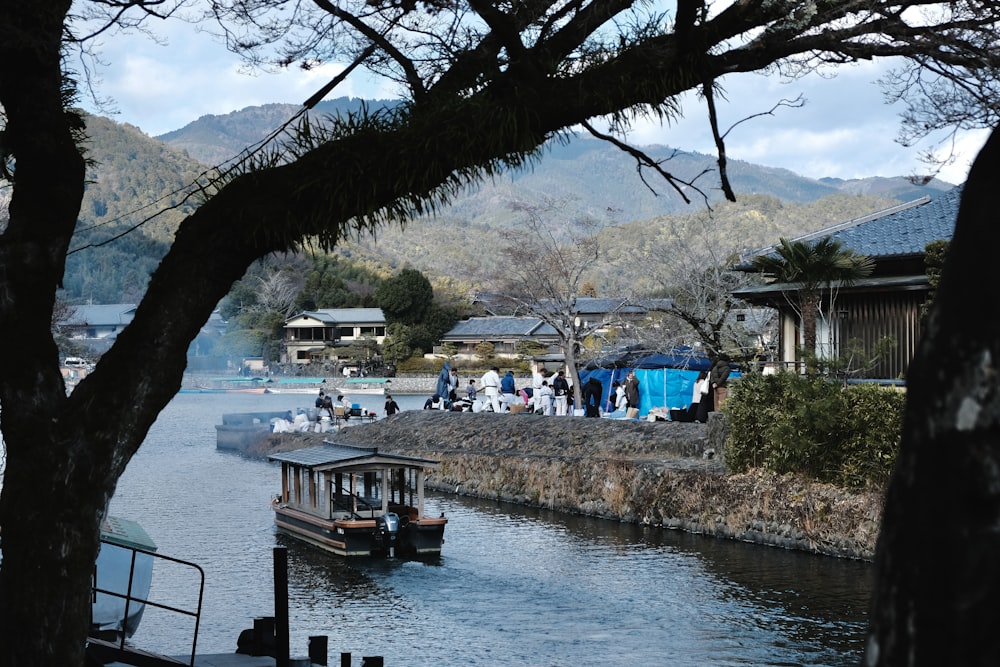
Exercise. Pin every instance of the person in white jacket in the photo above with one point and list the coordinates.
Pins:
(490, 384)
(699, 405)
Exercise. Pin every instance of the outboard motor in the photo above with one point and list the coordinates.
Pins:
(387, 527)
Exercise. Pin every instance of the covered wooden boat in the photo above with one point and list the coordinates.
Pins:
(357, 501)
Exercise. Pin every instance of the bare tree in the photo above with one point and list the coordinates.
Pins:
(278, 291)
(691, 260)
(485, 84)
(541, 274)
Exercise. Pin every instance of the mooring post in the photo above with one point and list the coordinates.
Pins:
(317, 650)
(281, 607)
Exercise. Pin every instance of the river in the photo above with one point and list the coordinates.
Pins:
(514, 586)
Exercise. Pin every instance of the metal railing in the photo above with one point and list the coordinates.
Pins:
(117, 649)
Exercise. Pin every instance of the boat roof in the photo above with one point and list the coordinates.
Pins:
(334, 456)
(126, 533)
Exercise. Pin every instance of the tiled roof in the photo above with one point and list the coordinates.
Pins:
(101, 315)
(334, 455)
(898, 231)
(500, 326)
(344, 315)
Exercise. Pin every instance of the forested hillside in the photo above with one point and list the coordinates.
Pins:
(134, 183)
(137, 187)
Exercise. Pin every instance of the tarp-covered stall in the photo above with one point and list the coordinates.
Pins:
(666, 380)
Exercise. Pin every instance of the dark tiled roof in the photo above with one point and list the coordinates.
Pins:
(898, 232)
(333, 455)
(343, 316)
(500, 326)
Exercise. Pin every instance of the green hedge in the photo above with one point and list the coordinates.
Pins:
(791, 423)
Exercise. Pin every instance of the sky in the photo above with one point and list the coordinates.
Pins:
(844, 130)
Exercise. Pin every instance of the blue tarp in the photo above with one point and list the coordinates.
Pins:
(665, 380)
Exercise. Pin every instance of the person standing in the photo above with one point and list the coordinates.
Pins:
(620, 401)
(391, 407)
(453, 385)
(632, 395)
(471, 390)
(561, 389)
(443, 388)
(719, 379)
(508, 388)
(544, 399)
(592, 390)
(700, 397)
(537, 378)
(491, 387)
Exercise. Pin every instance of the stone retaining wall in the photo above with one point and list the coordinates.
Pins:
(656, 473)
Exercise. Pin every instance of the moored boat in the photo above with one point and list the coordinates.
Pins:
(356, 501)
(230, 385)
(122, 578)
(366, 385)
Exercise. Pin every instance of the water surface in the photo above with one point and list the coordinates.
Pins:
(513, 586)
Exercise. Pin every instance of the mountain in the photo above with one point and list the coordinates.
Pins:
(586, 175)
(214, 140)
(136, 191)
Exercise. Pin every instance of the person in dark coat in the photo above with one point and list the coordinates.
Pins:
(591, 393)
(719, 381)
(632, 391)
(391, 406)
(443, 388)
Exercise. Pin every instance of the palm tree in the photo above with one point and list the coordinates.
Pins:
(809, 269)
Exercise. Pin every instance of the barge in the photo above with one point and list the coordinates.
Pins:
(356, 501)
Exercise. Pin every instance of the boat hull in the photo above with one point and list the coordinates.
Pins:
(362, 537)
(124, 568)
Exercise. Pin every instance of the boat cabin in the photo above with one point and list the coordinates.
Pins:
(356, 501)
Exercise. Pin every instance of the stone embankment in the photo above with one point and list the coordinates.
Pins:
(655, 473)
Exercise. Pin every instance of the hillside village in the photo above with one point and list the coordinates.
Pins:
(885, 305)
(637, 296)
(643, 251)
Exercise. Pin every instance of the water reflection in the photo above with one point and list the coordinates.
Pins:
(513, 586)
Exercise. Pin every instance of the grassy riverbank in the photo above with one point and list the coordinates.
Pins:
(654, 473)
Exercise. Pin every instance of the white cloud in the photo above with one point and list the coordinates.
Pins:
(844, 129)
(162, 88)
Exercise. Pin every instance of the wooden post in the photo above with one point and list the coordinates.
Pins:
(281, 607)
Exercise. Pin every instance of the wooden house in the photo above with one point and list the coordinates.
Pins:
(316, 335)
(886, 304)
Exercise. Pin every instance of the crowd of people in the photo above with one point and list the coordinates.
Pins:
(552, 394)
(547, 394)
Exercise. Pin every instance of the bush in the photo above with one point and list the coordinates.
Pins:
(790, 423)
(420, 365)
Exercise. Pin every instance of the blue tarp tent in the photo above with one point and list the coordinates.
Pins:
(666, 380)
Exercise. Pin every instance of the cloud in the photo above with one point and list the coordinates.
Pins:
(844, 128)
(160, 88)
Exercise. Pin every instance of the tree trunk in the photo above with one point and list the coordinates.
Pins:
(810, 309)
(937, 595)
(569, 353)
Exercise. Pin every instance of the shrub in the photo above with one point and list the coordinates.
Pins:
(791, 423)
